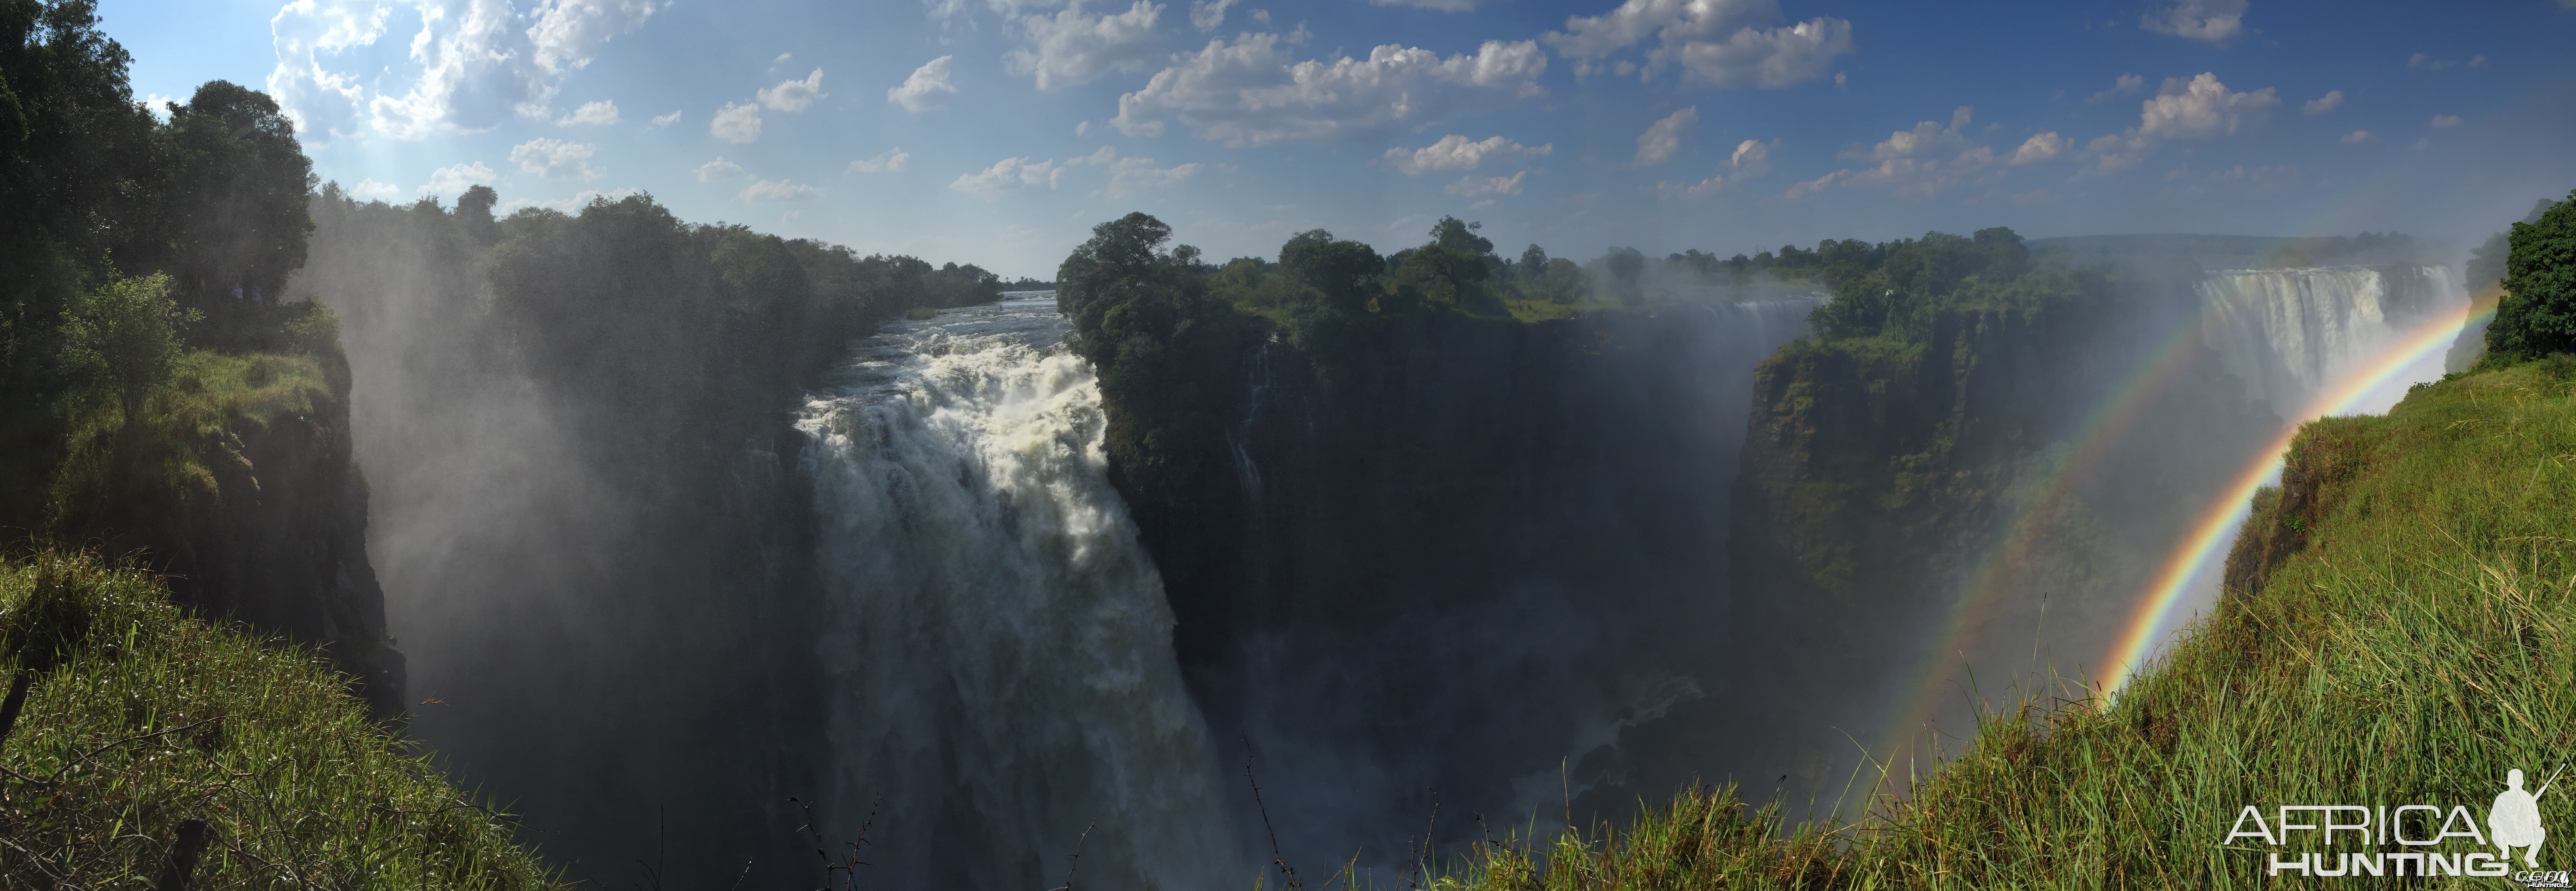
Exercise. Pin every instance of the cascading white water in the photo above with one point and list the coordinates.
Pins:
(2288, 333)
(998, 645)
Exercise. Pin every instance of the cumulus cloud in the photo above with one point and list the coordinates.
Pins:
(2123, 85)
(2357, 137)
(322, 102)
(1073, 47)
(665, 120)
(1719, 43)
(554, 159)
(1253, 92)
(927, 88)
(719, 169)
(2333, 99)
(1131, 176)
(1664, 137)
(1751, 158)
(2213, 22)
(737, 124)
(2446, 120)
(1010, 175)
(371, 190)
(1478, 187)
(1209, 16)
(2196, 109)
(476, 65)
(2041, 147)
(456, 178)
(1456, 152)
(794, 95)
(1917, 163)
(779, 190)
(893, 161)
(601, 113)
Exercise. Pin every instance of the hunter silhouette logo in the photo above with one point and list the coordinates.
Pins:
(2513, 822)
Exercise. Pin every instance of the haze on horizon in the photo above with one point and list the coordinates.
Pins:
(999, 131)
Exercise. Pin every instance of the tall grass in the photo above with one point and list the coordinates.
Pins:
(2420, 644)
(140, 719)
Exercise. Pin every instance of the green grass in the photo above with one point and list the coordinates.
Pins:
(2419, 645)
(148, 718)
(214, 400)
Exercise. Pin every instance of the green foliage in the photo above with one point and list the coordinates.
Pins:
(1895, 289)
(124, 337)
(141, 718)
(2537, 316)
(2419, 645)
(233, 209)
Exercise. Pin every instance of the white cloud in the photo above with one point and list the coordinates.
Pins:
(794, 95)
(371, 190)
(2041, 147)
(2446, 120)
(2196, 109)
(455, 178)
(2422, 62)
(1664, 137)
(719, 169)
(779, 190)
(1130, 176)
(599, 113)
(1251, 92)
(568, 33)
(1441, 5)
(1072, 47)
(1207, 16)
(1456, 152)
(476, 66)
(665, 120)
(323, 103)
(554, 159)
(1919, 163)
(2123, 85)
(2333, 99)
(2213, 22)
(1101, 155)
(737, 124)
(1715, 42)
(927, 88)
(893, 161)
(1751, 158)
(1010, 175)
(1472, 187)
(2357, 137)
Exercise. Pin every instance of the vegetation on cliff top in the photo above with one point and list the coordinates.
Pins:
(143, 729)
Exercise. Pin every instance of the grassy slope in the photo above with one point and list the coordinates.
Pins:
(152, 718)
(2413, 638)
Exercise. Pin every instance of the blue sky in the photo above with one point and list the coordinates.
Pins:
(999, 131)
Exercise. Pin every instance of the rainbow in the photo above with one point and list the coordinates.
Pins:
(2122, 412)
(2151, 623)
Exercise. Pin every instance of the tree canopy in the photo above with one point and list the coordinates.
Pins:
(2537, 316)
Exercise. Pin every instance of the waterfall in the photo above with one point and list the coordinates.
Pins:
(2288, 333)
(997, 645)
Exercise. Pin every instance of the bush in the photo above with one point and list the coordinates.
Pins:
(2537, 316)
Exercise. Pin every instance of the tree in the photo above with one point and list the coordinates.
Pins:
(474, 213)
(1341, 270)
(2538, 314)
(237, 214)
(124, 338)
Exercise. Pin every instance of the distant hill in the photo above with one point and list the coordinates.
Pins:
(2245, 251)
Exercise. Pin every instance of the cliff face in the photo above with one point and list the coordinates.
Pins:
(1931, 504)
(1430, 551)
(281, 544)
